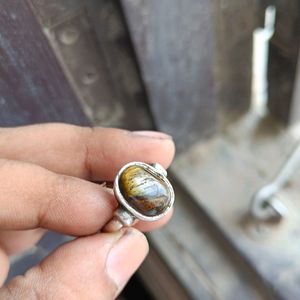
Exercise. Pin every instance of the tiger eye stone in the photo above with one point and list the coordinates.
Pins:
(143, 191)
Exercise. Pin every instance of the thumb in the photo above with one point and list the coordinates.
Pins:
(93, 267)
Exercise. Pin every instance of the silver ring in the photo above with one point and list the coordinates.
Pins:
(143, 192)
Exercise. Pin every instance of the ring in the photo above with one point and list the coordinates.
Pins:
(143, 192)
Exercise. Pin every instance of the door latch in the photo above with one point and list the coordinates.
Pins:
(265, 204)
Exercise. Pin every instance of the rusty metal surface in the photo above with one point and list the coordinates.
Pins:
(72, 28)
(224, 174)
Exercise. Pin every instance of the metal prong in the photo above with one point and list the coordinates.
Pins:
(113, 225)
(159, 168)
(120, 219)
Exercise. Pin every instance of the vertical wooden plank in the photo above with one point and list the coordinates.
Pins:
(196, 60)
(174, 43)
(282, 69)
(235, 23)
(33, 87)
(295, 113)
(114, 41)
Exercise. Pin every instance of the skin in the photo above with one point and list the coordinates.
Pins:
(47, 178)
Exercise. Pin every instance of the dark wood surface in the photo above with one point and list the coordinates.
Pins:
(32, 84)
(195, 58)
(174, 43)
(234, 25)
(107, 20)
(91, 41)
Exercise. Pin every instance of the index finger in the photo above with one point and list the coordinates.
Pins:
(33, 197)
(89, 153)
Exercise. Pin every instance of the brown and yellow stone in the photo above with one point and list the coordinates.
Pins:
(143, 191)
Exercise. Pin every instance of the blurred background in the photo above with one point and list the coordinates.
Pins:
(223, 78)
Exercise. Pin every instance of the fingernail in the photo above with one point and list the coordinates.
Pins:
(153, 134)
(125, 256)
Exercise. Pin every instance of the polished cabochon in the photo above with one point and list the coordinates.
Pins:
(144, 190)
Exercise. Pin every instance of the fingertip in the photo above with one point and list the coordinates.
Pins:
(111, 149)
(152, 134)
(160, 151)
(170, 151)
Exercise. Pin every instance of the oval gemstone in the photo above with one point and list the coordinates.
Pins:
(143, 191)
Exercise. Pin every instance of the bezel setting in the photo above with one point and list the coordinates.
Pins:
(160, 174)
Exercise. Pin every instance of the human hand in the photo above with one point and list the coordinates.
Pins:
(45, 174)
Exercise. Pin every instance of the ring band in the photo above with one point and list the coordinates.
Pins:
(143, 192)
